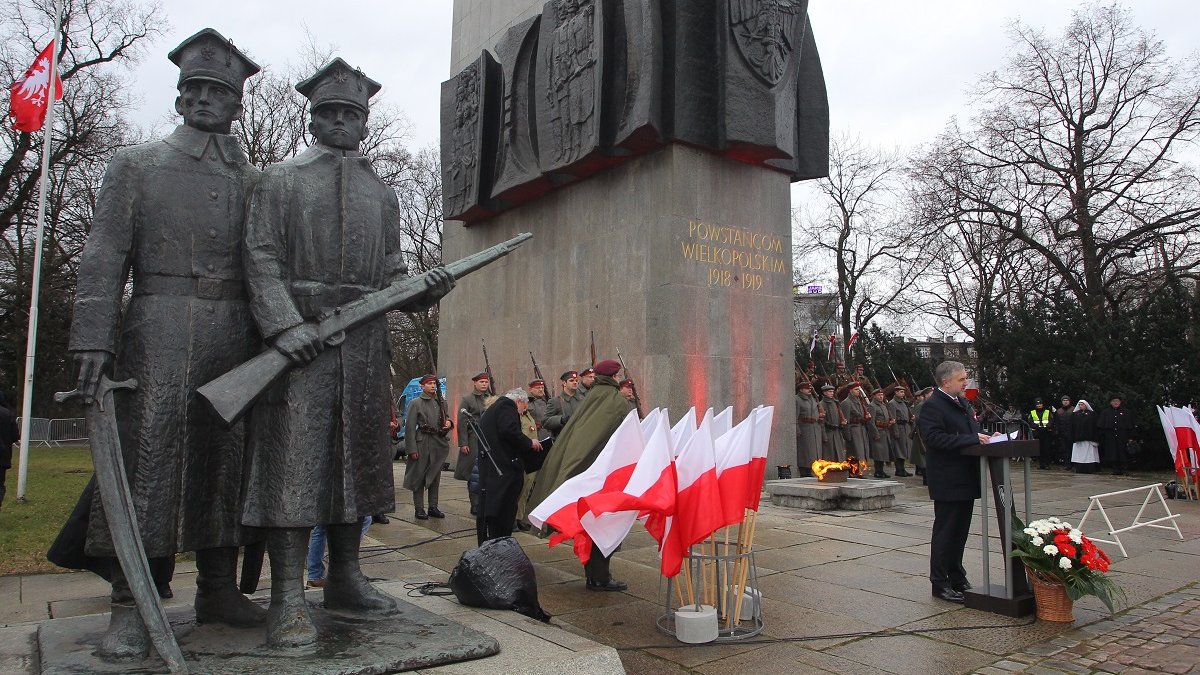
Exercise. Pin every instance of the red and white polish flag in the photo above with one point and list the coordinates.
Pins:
(30, 94)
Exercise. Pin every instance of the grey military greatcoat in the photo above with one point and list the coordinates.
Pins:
(421, 435)
(902, 432)
(473, 402)
(808, 431)
(833, 443)
(169, 215)
(322, 230)
(856, 431)
(879, 431)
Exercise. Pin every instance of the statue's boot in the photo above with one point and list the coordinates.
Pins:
(218, 599)
(126, 637)
(346, 588)
(288, 622)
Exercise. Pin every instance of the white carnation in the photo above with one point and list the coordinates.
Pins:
(1030, 531)
(1044, 528)
(1076, 536)
(1050, 549)
(1064, 563)
(1037, 541)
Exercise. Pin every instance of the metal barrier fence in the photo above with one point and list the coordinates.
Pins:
(48, 432)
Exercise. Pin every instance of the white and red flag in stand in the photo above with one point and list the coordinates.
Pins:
(832, 348)
(812, 346)
(763, 417)
(683, 430)
(31, 93)
(733, 451)
(607, 516)
(722, 422)
(611, 471)
(696, 515)
(1183, 437)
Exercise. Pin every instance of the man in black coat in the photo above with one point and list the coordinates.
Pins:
(947, 425)
(503, 474)
(1116, 425)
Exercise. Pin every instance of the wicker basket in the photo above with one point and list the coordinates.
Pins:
(1050, 594)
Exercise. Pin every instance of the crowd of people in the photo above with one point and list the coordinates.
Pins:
(846, 417)
(1073, 435)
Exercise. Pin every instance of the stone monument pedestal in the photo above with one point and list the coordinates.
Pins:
(856, 494)
(680, 259)
(413, 639)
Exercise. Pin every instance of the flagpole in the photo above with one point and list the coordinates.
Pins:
(36, 283)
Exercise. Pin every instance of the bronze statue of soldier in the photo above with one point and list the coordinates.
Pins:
(168, 217)
(323, 230)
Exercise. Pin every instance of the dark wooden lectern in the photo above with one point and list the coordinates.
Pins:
(1014, 598)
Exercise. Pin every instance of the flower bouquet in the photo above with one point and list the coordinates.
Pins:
(1054, 552)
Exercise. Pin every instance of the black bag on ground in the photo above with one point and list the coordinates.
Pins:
(498, 575)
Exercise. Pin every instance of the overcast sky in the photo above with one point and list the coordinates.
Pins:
(895, 71)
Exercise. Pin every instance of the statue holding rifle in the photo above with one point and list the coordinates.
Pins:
(322, 231)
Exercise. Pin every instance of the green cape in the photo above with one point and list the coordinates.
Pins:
(581, 441)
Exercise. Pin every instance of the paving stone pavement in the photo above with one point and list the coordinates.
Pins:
(1162, 636)
(843, 592)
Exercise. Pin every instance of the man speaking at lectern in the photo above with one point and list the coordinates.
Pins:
(947, 425)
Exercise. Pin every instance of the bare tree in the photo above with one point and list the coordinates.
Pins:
(101, 38)
(1085, 134)
(860, 232)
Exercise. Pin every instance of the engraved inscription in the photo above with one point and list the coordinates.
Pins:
(735, 256)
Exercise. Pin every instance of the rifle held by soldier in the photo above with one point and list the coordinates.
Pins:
(487, 368)
(232, 394)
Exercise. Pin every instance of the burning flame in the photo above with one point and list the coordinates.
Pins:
(855, 466)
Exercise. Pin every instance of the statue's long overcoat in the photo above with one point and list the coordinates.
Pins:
(322, 230)
(169, 215)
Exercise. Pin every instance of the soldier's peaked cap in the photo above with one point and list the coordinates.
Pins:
(337, 82)
(209, 55)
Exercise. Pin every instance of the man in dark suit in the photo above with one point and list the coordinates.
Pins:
(947, 425)
(503, 474)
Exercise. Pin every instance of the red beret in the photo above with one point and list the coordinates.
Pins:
(428, 378)
(607, 367)
(537, 383)
(481, 376)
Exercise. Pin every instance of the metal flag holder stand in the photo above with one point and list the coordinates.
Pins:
(719, 577)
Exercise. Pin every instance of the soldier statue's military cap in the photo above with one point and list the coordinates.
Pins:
(208, 55)
(337, 82)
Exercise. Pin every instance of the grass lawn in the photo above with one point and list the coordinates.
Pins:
(56, 477)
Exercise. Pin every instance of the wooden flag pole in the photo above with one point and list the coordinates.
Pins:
(745, 565)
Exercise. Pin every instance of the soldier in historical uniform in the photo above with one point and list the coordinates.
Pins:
(879, 432)
(626, 388)
(323, 230)
(427, 444)
(901, 432)
(833, 424)
(468, 442)
(918, 443)
(169, 217)
(538, 401)
(857, 415)
(559, 409)
(587, 377)
(840, 377)
(808, 429)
